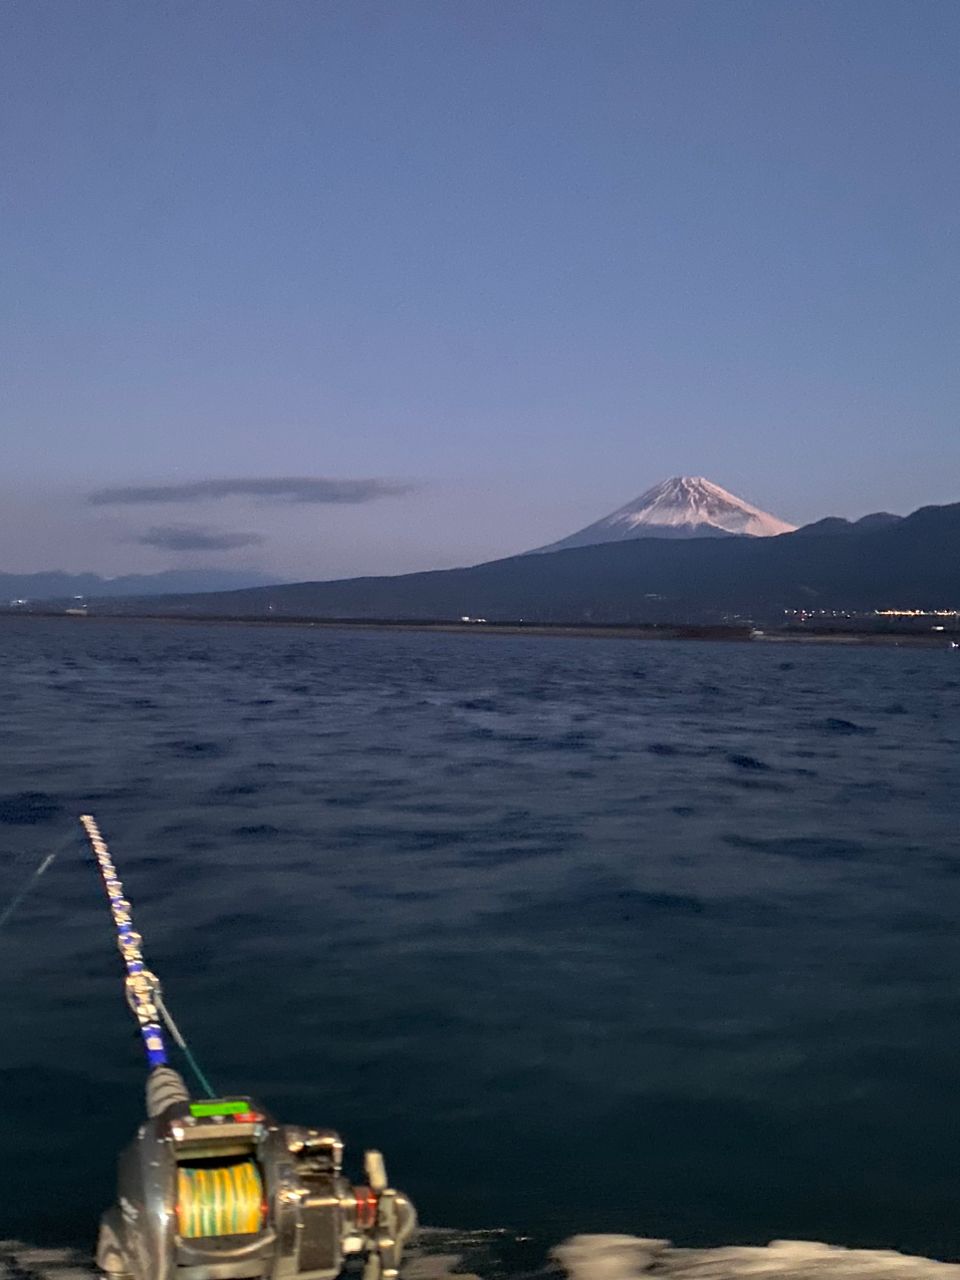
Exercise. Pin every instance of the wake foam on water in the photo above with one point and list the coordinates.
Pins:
(624, 1257)
(440, 1255)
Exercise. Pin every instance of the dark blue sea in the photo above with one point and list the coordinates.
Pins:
(588, 935)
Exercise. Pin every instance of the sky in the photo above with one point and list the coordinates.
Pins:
(329, 287)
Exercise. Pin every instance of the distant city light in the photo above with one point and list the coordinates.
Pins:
(917, 613)
(872, 613)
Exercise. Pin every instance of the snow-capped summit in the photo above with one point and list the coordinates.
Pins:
(681, 507)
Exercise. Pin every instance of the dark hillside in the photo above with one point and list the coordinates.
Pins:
(911, 563)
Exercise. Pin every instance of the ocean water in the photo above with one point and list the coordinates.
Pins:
(589, 936)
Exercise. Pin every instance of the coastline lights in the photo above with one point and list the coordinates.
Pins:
(872, 613)
(917, 613)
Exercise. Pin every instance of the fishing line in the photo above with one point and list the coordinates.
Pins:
(45, 862)
(180, 1040)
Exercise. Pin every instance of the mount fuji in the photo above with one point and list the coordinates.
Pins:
(681, 507)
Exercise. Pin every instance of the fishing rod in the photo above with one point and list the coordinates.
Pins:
(217, 1189)
(142, 987)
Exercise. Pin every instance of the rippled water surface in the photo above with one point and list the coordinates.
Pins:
(588, 935)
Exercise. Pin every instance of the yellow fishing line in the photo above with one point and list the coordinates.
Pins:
(221, 1201)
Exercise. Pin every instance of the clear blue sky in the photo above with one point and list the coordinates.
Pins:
(525, 256)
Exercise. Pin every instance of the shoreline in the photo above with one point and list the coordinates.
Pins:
(723, 633)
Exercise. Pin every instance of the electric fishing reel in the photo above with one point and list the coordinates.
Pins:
(217, 1190)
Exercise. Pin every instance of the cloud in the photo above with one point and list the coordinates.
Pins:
(309, 489)
(195, 537)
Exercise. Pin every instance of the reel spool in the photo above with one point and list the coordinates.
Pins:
(225, 1200)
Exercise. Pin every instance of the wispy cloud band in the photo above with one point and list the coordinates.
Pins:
(308, 489)
(195, 537)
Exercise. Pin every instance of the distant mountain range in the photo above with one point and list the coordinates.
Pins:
(56, 585)
(880, 562)
(681, 507)
(837, 524)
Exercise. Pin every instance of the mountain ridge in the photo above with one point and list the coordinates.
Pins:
(838, 524)
(57, 584)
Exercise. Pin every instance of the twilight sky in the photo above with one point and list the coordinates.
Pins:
(326, 287)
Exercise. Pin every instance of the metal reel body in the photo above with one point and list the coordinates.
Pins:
(186, 1183)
